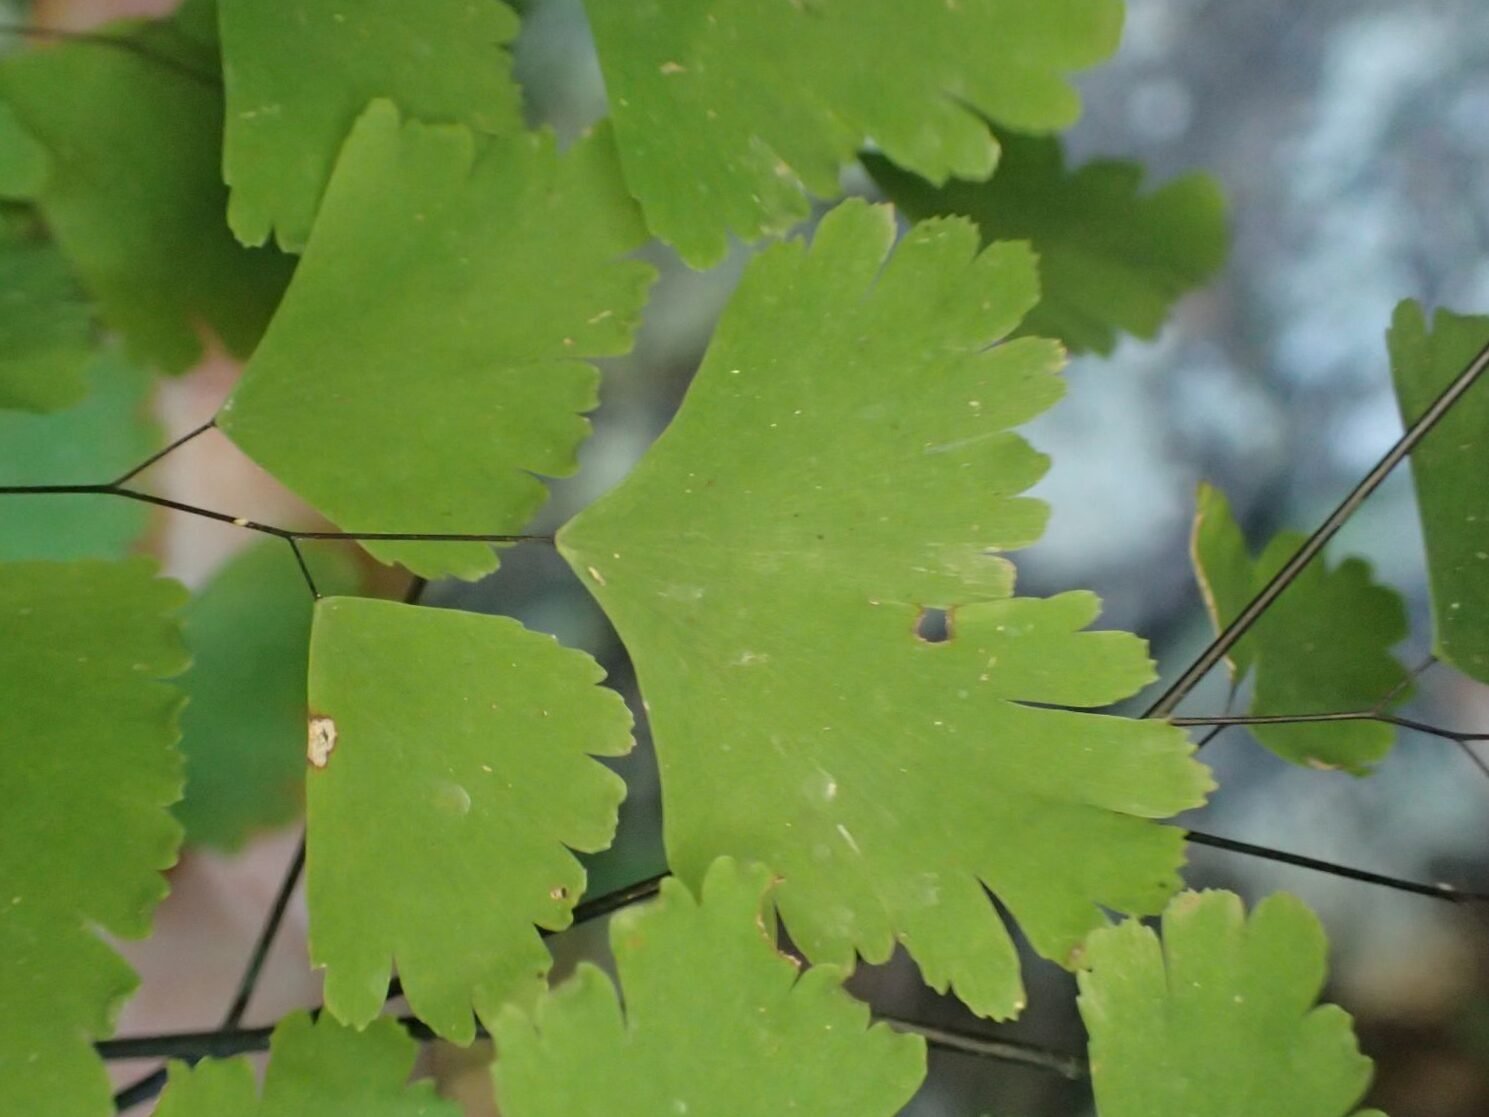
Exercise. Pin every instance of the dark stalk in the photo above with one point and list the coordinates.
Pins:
(261, 528)
(1169, 700)
(304, 569)
(957, 1041)
(227, 1042)
(151, 1084)
(165, 451)
(1435, 891)
(1227, 720)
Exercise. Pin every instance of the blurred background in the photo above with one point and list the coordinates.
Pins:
(1352, 140)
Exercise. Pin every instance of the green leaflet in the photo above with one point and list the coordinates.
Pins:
(430, 356)
(243, 729)
(716, 1023)
(1323, 646)
(46, 328)
(133, 194)
(23, 161)
(95, 441)
(1219, 1021)
(87, 770)
(1110, 259)
(299, 72)
(841, 462)
(449, 769)
(1448, 472)
(314, 1068)
(726, 111)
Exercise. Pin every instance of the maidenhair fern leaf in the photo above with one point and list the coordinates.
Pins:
(91, 443)
(1110, 259)
(46, 328)
(430, 355)
(727, 110)
(1324, 646)
(243, 730)
(134, 195)
(841, 463)
(315, 1067)
(448, 771)
(716, 1023)
(23, 161)
(298, 74)
(1447, 469)
(87, 770)
(1220, 1020)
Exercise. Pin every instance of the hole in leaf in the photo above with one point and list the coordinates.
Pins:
(933, 625)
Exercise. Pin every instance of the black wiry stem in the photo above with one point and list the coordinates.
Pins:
(1400, 688)
(270, 930)
(221, 1043)
(1346, 715)
(1265, 853)
(115, 42)
(1072, 1067)
(164, 452)
(1461, 740)
(226, 1042)
(265, 529)
(150, 1085)
(1176, 693)
(304, 569)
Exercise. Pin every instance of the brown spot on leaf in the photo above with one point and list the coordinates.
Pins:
(321, 741)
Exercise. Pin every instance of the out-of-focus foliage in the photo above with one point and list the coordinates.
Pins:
(1323, 647)
(1111, 260)
(90, 443)
(132, 189)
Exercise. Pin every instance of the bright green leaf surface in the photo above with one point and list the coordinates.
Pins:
(448, 773)
(314, 1068)
(841, 461)
(1110, 259)
(1220, 1020)
(86, 773)
(716, 1023)
(428, 358)
(1447, 467)
(299, 72)
(726, 110)
(1323, 646)
(243, 730)
(134, 195)
(100, 438)
(45, 328)
(23, 161)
